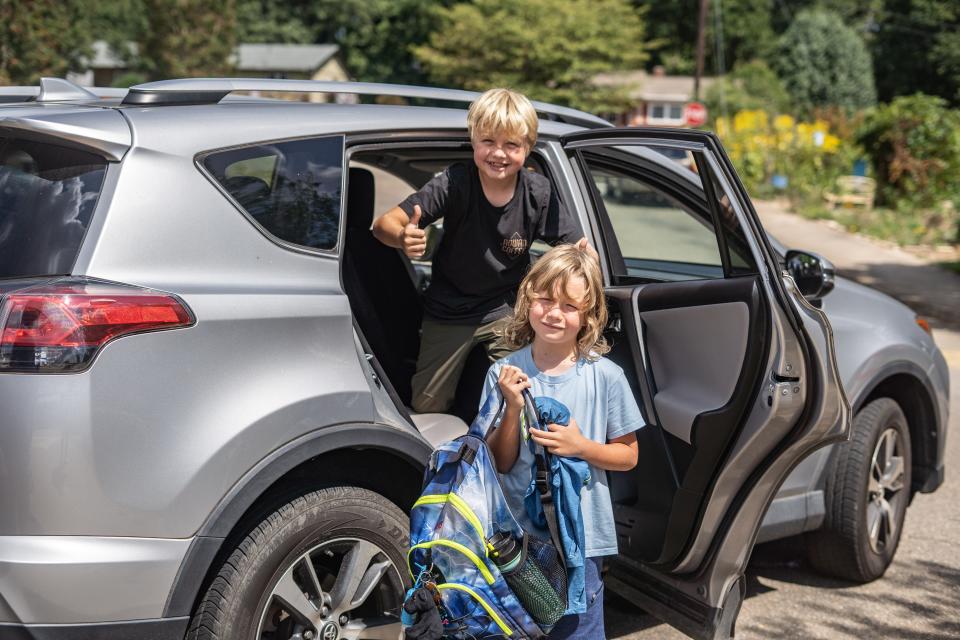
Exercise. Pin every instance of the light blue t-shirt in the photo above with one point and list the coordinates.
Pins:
(600, 400)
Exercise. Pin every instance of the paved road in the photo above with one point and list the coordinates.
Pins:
(919, 597)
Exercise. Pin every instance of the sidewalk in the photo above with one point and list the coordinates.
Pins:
(931, 291)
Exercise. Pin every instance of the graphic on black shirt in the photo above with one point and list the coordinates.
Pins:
(485, 250)
(514, 246)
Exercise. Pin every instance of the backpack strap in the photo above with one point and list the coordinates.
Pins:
(544, 486)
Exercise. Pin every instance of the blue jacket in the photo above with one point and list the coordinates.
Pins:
(567, 476)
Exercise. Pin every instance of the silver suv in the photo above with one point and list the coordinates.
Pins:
(205, 360)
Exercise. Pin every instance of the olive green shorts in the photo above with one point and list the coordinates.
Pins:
(443, 353)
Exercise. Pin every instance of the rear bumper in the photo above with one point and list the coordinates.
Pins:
(161, 629)
(49, 584)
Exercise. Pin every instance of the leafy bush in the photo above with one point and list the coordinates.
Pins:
(824, 63)
(914, 143)
(808, 154)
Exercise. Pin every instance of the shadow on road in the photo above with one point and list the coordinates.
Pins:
(930, 291)
(914, 598)
(913, 601)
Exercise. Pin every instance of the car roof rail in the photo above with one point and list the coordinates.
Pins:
(194, 91)
(57, 90)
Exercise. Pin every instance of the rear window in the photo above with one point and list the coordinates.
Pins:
(47, 197)
(292, 189)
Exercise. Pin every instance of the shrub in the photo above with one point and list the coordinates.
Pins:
(809, 154)
(914, 143)
(749, 86)
(824, 63)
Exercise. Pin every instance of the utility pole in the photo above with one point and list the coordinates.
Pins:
(701, 42)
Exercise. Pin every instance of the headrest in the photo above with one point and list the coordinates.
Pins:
(360, 192)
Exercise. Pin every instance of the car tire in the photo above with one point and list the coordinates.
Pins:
(866, 495)
(335, 556)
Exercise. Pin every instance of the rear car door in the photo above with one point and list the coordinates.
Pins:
(734, 370)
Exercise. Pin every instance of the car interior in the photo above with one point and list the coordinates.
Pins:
(690, 363)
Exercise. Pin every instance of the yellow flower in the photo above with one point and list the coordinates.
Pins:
(784, 123)
(750, 120)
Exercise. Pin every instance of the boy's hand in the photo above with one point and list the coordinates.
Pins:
(413, 239)
(512, 382)
(561, 440)
(584, 245)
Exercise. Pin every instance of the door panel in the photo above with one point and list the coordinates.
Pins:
(688, 386)
(735, 371)
(694, 348)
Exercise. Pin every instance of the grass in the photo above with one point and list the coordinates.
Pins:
(903, 227)
(952, 266)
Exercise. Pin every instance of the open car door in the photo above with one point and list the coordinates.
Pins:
(734, 370)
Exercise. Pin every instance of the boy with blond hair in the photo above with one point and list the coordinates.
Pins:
(492, 211)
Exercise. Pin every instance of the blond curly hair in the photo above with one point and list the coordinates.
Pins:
(552, 273)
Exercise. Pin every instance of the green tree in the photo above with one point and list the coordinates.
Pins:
(751, 85)
(824, 63)
(375, 36)
(548, 49)
(188, 38)
(42, 38)
(119, 23)
(744, 27)
(917, 48)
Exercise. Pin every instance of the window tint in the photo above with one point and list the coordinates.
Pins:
(741, 258)
(47, 197)
(291, 188)
(659, 237)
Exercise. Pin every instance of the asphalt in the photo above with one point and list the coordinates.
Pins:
(919, 596)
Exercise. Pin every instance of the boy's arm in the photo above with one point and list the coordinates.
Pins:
(618, 454)
(504, 442)
(396, 229)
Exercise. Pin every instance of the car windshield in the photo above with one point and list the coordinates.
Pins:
(47, 197)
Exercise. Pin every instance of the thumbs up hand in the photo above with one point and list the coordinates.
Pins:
(414, 239)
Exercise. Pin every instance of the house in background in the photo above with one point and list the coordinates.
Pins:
(283, 61)
(659, 99)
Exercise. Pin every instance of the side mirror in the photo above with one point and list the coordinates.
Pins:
(813, 274)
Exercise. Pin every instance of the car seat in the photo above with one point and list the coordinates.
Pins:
(382, 294)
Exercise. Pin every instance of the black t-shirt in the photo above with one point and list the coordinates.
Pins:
(485, 250)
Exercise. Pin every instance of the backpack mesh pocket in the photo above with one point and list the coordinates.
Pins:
(540, 581)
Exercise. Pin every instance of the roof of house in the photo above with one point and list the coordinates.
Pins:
(248, 57)
(286, 57)
(652, 87)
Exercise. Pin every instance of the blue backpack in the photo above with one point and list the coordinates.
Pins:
(489, 577)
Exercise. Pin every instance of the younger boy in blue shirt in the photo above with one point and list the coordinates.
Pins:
(557, 326)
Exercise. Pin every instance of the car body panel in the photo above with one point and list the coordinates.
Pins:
(48, 578)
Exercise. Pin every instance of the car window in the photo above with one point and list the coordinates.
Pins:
(741, 261)
(291, 189)
(47, 197)
(659, 237)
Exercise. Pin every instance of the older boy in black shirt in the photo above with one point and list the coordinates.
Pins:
(492, 210)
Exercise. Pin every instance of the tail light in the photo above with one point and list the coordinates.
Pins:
(60, 327)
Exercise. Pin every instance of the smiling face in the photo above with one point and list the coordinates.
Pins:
(556, 317)
(499, 156)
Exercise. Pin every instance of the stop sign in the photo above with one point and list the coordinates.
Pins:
(695, 114)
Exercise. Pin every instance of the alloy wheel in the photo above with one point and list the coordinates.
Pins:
(885, 490)
(345, 588)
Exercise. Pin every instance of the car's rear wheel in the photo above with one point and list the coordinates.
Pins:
(326, 565)
(866, 496)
